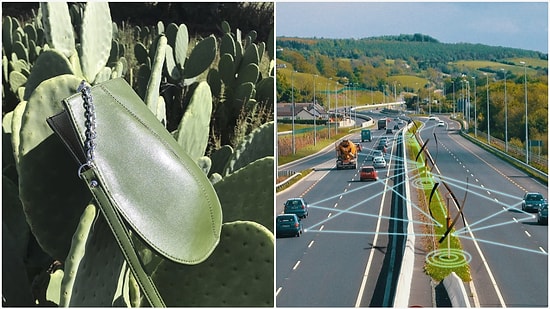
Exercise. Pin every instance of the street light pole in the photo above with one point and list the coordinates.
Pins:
(293, 113)
(355, 100)
(454, 100)
(328, 109)
(488, 115)
(314, 115)
(336, 108)
(475, 106)
(505, 114)
(526, 122)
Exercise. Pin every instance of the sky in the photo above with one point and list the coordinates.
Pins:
(509, 24)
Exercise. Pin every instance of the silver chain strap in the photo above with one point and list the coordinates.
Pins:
(90, 123)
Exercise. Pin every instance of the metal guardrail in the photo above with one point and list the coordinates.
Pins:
(499, 152)
(293, 175)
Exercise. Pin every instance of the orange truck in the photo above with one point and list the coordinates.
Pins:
(346, 154)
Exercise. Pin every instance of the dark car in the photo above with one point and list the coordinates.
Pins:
(288, 225)
(383, 142)
(389, 131)
(532, 201)
(368, 172)
(542, 214)
(297, 206)
(381, 147)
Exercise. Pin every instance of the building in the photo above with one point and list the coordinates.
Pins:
(302, 111)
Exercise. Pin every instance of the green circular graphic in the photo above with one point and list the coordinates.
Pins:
(446, 258)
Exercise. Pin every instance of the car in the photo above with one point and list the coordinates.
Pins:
(532, 201)
(297, 206)
(288, 225)
(375, 153)
(401, 121)
(542, 214)
(389, 131)
(381, 147)
(396, 127)
(432, 117)
(368, 172)
(441, 123)
(383, 142)
(379, 162)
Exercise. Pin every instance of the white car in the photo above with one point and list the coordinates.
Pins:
(379, 162)
(441, 123)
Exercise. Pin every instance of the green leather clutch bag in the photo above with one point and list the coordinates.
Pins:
(142, 179)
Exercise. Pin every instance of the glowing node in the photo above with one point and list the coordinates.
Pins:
(422, 183)
(446, 258)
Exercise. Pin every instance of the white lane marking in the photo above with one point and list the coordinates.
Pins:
(541, 249)
(527, 233)
(516, 220)
(371, 255)
(311, 244)
(329, 215)
(296, 265)
(322, 227)
(335, 205)
(278, 290)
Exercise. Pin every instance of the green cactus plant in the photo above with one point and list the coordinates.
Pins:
(54, 201)
(49, 64)
(94, 260)
(96, 37)
(53, 198)
(239, 273)
(240, 75)
(194, 127)
(58, 27)
(258, 144)
(255, 204)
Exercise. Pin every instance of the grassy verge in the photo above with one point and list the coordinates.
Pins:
(294, 180)
(438, 208)
(308, 149)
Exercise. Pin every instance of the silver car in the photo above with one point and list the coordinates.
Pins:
(379, 162)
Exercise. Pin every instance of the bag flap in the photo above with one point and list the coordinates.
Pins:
(62, 126)
(161, 192)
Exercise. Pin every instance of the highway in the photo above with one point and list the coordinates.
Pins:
(509, 262)
(337, 261)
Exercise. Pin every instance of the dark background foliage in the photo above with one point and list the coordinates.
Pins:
(201, 18)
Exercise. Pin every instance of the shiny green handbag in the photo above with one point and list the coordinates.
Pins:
(142, 179)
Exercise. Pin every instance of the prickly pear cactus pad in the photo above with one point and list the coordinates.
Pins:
(16, 288)
(95, 261)
(195, 124)
(239, 273)
(49, 64)
(258, 144)
(220, 158)
(255, 203)
(96, 35)
(53, 196)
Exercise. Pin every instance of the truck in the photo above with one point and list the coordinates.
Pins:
(382, 123)
(346, 154)
(365, 135)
